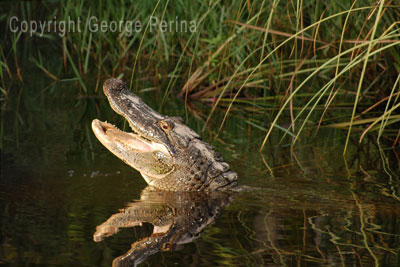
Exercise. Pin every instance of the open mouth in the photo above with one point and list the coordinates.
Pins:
(110, 134)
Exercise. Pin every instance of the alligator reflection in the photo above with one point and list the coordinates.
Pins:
(178, 218)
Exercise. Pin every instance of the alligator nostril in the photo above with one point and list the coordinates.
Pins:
(114, 84)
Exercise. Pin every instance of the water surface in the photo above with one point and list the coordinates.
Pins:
(58, 184)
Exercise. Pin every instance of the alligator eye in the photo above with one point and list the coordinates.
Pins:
(166, 126)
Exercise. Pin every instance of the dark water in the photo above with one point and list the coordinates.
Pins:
(58, 184)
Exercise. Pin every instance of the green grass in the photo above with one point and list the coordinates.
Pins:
(305, 64)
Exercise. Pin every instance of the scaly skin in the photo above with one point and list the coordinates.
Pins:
(169, 155)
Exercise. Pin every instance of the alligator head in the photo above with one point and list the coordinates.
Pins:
(168, 154)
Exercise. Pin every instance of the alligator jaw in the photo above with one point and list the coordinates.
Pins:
(109, 135)
(150, 158)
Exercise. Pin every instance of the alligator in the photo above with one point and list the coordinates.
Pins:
(178, 218)
(169, 155)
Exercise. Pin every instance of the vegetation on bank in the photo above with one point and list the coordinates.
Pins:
(294, 64)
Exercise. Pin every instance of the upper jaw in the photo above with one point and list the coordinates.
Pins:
(142, 119)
